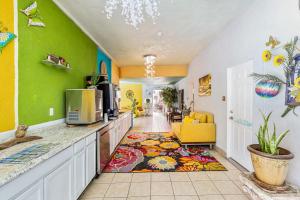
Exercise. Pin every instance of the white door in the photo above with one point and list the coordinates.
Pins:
(90, 155)
(59, 184)
(35, 192)
(79, 173)
(239, 113)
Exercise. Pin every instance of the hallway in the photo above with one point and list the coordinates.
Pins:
(155, 123)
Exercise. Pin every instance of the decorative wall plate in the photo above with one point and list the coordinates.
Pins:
(267, 88)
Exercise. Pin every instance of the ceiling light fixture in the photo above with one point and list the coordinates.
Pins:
(133, 10)
(149, 61)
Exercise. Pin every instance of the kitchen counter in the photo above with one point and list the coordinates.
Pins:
(60, 135)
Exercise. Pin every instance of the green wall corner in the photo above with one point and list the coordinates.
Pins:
(42, 86)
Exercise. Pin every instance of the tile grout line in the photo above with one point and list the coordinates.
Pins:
(193, 185)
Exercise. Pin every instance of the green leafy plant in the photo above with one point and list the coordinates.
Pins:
(169, 96)
(269, 143)
(266, 77)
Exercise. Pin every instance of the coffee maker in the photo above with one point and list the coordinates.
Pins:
(110, 100)
(110, 94)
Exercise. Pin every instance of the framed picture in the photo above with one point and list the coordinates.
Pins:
(205, 85)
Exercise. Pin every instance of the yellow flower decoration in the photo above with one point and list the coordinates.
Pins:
(298, 98)
(278, 60)
(266, 55)
(297, 82)
(162, 163)
(169, 145)
(150, 142)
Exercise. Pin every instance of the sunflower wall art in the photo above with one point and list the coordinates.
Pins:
(287, 57)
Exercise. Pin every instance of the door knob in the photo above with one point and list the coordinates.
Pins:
(231, 118)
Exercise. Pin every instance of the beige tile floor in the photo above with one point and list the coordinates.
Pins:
(213, 185)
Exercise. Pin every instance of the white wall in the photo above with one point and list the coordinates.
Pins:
(148, 90)
(243, 40)
(183, 85)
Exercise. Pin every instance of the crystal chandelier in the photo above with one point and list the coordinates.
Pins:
(149, 65)
(133, 10)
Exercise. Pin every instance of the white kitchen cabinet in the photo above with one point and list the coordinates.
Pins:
(90, 154)
(34, 192)
(112, 139)
(58, 185)
(79, 173)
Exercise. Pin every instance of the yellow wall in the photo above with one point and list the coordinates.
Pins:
(160, 71)
(138, 94)
(115, 75)
(7, 70)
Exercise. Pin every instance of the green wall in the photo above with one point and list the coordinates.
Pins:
(42, 86)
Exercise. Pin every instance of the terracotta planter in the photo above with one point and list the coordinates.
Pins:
(270, 169)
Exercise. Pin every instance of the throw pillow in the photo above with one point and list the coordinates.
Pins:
(201, 117)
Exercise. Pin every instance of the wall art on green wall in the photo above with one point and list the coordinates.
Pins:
(56, 61)
(43, 87)
(5, 36)
(32, 12)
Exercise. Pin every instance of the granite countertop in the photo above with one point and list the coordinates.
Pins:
(60, 135)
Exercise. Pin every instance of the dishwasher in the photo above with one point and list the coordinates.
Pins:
(103, 147)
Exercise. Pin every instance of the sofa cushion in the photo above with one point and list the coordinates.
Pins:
(210, 118)
(192, 115)
(196, 121)
(188, 120)
(202, 117)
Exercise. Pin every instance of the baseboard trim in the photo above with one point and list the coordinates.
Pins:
(224, 154)
(46, 124)
(4, 136)
(237, 165)
(221, 151)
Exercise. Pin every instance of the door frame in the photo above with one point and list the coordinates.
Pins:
(229, 100)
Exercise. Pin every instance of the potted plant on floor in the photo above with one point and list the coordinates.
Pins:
(270, 162)
(169, 96)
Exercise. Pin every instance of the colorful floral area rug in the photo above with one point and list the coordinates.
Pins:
(159, 152)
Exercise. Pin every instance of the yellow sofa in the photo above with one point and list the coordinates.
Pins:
(197, 128)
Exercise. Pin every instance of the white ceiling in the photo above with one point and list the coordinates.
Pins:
(153, 81)
(187, 26)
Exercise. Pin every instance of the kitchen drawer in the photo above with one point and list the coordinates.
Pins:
(79, 146)
(91, 138)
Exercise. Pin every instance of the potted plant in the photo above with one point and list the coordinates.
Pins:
(169, 96)
(270, 162)
(92, 82)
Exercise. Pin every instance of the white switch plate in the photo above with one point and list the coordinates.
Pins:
(51, 111)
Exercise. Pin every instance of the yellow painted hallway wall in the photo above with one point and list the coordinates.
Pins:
(138, 94)
(115, 74)
(7, 70)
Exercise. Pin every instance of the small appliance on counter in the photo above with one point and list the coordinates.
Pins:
(84, 106)
(110, 99)
(111, 92)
